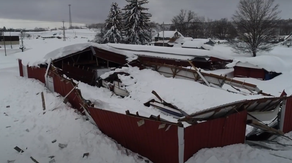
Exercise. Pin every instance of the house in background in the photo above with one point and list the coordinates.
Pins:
(168, 38)
(11, 38)
(205, 44)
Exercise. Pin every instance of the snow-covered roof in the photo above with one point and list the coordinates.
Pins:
(64, 51)
(187, 95)
(269, 63)
(197, 43)
(42, 54)
(188, 39)
(220, 41)
(167, 34)
(11, 33)
(167, 52)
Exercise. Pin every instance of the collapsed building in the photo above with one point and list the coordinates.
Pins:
(164, 132)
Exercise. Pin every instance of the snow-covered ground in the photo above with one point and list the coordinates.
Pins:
(23, 124)
(39, 135)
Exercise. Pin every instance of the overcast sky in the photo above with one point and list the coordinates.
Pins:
(49, 13)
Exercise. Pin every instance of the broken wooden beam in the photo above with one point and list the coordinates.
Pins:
(18, 149)
(33, 159)
(264, 127)
(43, 103)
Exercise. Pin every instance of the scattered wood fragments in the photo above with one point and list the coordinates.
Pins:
(85, 155)
(51, 157)
(54, 141)
(43, 102)
(18, 149)
(63, 145)
(34, 160)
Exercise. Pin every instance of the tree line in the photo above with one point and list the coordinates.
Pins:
(190, 24)
(252, 28)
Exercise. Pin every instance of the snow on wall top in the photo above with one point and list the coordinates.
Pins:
(11, 34)
(41, 55)
(269, 63)
(33, 54)
(46, 50)
(167, 52)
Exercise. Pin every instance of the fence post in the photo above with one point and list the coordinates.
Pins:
(181, 144)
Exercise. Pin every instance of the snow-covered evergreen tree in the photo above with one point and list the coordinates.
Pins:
(136, 20)
(113, 25)
(99, 36)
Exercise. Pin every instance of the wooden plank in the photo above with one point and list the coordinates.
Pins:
(43, 102)
(264, 127)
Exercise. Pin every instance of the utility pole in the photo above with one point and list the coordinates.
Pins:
(4, 40)
(70, 19)
(10, 39)
(163, 33)
(64, 37)
(21, 37)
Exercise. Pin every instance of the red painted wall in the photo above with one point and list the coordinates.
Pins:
(36, 73)
(249, 72)
(63, 87)
(215, 133)
(86, 76)
(20, 67)
(158, 145)
(288, 116)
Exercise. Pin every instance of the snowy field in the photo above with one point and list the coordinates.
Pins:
(24, 124)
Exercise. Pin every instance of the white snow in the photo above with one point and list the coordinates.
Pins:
(55, 49)
(167, 52)
(187, 95)
(269, 63)
(167, 34)
(23, 124)
(36, 49)
(241, 153)
(197, 43)
(11, 33)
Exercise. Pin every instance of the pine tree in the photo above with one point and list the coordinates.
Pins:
(99, 36)
(113, 25)
(136, 20)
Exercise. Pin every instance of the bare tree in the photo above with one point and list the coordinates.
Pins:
(256, 23)
(179, 21)
(186, 22)
(206, 28)
(223, 29)
(285, 27)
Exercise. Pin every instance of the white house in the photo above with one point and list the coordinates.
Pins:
(168, 38)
